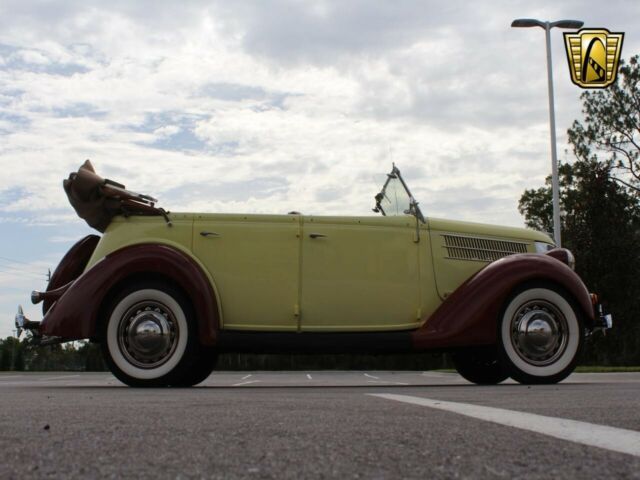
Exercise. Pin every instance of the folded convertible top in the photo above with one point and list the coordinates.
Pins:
(97, 200)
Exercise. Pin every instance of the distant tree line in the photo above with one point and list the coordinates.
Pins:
(18, 355)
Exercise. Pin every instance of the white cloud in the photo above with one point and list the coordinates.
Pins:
(31, 56)
(167, 131)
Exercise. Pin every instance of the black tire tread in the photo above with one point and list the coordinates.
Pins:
(479, 366)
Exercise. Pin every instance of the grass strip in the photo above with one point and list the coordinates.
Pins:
(597, 369)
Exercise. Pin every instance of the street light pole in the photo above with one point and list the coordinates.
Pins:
(555, 183)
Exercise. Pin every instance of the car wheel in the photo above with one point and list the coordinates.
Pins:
(479, 365)
(204, 365)
(540, 335)
(149, 336)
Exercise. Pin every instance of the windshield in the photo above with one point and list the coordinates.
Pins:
(395, 197)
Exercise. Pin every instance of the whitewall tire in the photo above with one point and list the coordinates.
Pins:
(148, 336)
(540, 335)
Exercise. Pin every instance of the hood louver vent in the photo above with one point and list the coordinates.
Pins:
(480, 249)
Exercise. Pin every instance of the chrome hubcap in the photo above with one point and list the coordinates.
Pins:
(539, 332)
(148, 334)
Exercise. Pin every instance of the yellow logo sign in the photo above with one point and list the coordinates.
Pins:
(593, 55)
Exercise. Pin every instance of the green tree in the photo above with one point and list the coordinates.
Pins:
(92, 356)
(12, 354)
(611, 126)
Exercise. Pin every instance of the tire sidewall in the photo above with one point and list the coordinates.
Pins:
(520, 369)
(166, 373)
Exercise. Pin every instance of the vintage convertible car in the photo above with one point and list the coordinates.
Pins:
(163, 293)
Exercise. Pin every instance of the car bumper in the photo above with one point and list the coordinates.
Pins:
(23, 324)
(602, 321)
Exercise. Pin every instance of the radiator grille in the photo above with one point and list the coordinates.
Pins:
(480, 249)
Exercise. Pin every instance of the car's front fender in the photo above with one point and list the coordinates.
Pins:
(469, 315)
(75, 315)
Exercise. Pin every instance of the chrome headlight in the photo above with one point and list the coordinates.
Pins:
(543, 247)
(563, 255)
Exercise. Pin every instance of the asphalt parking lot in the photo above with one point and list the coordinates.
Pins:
(382, 425)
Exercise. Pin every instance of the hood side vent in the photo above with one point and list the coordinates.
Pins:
(479, 249)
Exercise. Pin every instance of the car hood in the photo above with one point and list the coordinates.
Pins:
(483, 229)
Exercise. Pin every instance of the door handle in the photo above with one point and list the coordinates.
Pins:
(317, 235)
(209, 234)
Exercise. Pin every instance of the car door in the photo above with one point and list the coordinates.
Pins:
(254, 262)
(359, 274)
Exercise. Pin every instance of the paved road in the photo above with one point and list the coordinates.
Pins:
(380, 425)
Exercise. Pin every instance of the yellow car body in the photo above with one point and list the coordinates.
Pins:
(359, 274)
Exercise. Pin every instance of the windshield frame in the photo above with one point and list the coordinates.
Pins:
(414, 209)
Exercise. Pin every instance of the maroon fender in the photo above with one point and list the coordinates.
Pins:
(70, 267)
(51, 296)
(469, 316)
(75, 315)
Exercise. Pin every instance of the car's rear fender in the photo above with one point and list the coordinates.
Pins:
(469, 315)
(77, 313)
(70, 267)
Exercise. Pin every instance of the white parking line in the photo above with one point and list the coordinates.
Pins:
(601, 436)
(61, 377)
(245, 377)
(309, 377)
(371, 376)
(245, 383)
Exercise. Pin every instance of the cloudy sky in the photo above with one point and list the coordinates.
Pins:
(272, 106)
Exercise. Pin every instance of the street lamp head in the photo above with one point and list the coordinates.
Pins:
(528, 22)
(532, 22)
(567, 24)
